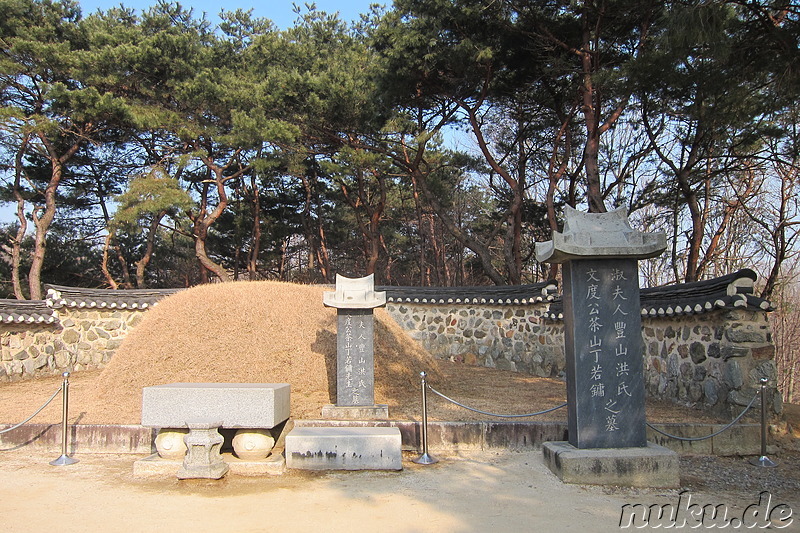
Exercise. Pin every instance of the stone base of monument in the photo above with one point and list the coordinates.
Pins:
(344, 448)
(203, 446)
(158, 467)
(650, 466)
(355, 412)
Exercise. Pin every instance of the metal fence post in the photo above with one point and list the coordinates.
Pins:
(763, 460)
(425, 458)
(64, 459)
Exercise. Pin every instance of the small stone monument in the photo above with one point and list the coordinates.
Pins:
(604, 353)
(355, 300)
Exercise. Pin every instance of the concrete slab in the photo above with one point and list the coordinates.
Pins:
(237, 405)
(355, 412)
(651, 466)
(344, 448)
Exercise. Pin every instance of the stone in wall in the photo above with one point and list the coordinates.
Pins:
(27, 350)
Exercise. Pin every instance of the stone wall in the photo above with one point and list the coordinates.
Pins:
(508, 337)
(74, 329)
(81, 340)
(705, 344)
(716, 359)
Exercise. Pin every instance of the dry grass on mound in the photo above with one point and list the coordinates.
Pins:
(250, 332)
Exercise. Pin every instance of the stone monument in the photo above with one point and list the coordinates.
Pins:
(354, 300)
(599, 253)
(343, 447)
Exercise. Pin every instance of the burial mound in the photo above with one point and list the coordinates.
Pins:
(252, 332)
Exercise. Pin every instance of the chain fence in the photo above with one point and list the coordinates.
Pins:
(60, 388)
(727, 426)
(760, 393)
(550, 410)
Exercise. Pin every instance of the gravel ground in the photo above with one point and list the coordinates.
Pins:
(734, 479)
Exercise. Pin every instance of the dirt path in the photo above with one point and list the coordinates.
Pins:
(475, 492)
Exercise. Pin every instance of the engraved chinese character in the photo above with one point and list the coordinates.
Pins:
(591, 293)
(617, 275)
(595, 347)
(591, 275)
(611, 405)
(619, 310)
(621, 350)
(623, 389)
(597, 372)
(620, 328)
(618, 293)
(594, 308)
(597, 389)
(611, 423)
(594, 324)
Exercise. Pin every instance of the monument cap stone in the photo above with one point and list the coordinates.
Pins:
(354, 293)
(597, 235)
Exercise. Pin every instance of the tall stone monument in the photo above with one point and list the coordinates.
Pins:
(599, 253)
(336, 445)
(355, 300)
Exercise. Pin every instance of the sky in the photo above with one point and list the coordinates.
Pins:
(279, 11)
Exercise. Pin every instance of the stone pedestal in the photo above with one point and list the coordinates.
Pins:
(344, 448)
(203, 459)
(253, 444)
(170, 443)
(647, 466)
